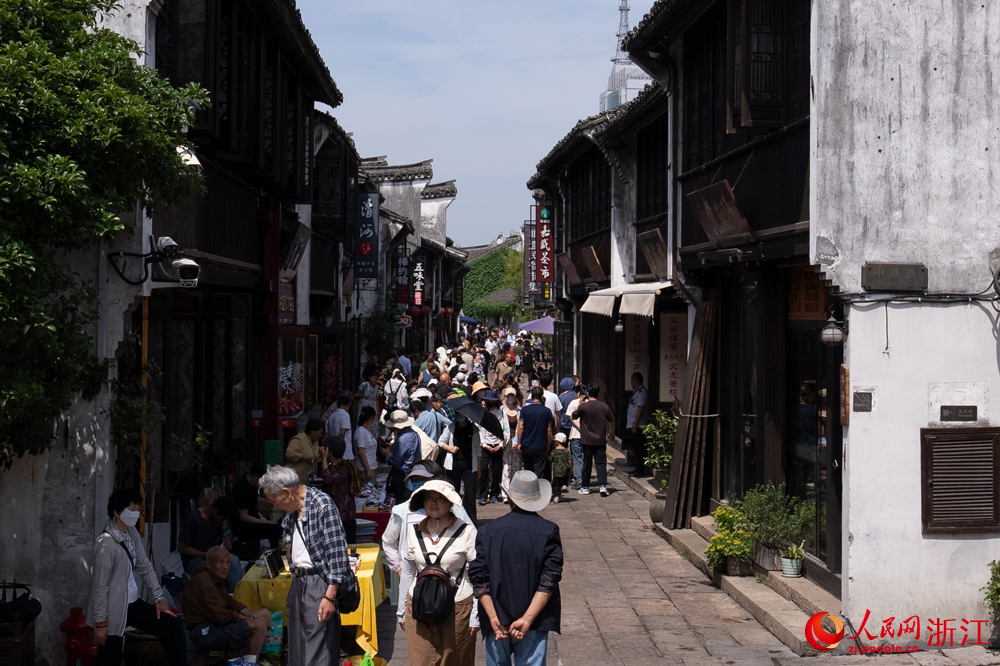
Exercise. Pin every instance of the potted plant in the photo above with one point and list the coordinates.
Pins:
(730, 550)
(792, 559)
(773, 520)
(660, 434)
(659, 504)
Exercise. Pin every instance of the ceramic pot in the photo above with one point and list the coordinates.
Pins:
(657, 508)
(736, 568)
(767, 558)
(791, 568)
(143, 650)
(661, 474)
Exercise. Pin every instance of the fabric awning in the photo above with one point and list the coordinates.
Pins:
(601, 304)
(638, 304)
(637, 299)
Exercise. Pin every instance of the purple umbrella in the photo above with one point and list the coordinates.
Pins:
(543, 325)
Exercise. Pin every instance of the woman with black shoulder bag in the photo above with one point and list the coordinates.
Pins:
(441, 613)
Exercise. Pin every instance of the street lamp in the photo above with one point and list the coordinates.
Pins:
(832, 334)
(619, 327)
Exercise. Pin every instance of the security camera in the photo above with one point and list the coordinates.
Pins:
(188, 270)
(168, 247)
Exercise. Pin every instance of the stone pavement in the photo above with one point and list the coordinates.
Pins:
(630, 599)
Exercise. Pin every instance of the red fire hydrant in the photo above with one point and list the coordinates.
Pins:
(78, 642)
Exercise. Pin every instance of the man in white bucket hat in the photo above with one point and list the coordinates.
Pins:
(516, 576)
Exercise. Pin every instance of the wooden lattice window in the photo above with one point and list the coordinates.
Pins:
(959, 468)
(806, 295)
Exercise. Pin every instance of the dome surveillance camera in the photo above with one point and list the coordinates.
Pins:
(188, 270)
(168, 247)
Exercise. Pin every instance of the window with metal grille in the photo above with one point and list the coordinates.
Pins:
(959, 471)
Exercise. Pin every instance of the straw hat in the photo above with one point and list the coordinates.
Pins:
(479, 386)
(398, 420)
(438, 486)
(527, 491)
(420, 394)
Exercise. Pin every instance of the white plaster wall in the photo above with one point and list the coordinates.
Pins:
(404, 198)
(434, 219)
(891, 568)
(303, 276)
(623, 211)
(905, 138)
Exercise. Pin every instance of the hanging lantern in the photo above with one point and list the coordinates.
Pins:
(413, 310)
(425, 310)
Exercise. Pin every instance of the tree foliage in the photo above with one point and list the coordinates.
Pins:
(498, 270)
(86, 132)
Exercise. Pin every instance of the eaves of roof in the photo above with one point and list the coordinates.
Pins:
(661, 18)
(393, 216)
(286, 21)
(623, 117)
(507, 295)
(432, 245)
(565, 145)
(381, 172)
(480, 251)
(440, 190)
(325, 118)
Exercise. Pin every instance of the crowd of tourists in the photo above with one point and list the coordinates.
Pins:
(457, 428)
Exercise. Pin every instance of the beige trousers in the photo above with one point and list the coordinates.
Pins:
(450, 643)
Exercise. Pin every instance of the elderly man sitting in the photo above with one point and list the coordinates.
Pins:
(214, 619)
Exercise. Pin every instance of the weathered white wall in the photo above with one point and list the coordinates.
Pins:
(905, 138)
(903, 169)
(623, 210)
(434, 219)
(890, 567)
(404, 198)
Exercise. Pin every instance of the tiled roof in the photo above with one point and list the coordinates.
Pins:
(393, 216)
(480, 251)
(380, 171)
(508, 295)
(564, 145)
(659, 17)
(621, 117)
(287, 23)
(440, 190)
(326, 119)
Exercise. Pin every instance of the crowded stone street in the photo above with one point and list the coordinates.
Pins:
(630, 599)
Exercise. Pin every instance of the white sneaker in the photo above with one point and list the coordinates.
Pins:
(604, 491)
(584, 491)
(555, 500)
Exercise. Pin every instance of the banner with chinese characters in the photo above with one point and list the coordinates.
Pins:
(366, 244)
(402, 280)
(531, 288)
(544, 243)
(673, 354)
(636, 347)
(459, 294)
(419, 263)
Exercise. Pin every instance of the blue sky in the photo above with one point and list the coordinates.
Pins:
(483, 88)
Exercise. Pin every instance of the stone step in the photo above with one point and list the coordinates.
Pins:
(689, 544)
(778, 615)
(704, 526)
(804, 593)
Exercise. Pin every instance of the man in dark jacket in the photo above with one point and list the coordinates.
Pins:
(516, 576)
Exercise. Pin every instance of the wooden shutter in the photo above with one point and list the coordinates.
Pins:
(959, 471)
(763, 63)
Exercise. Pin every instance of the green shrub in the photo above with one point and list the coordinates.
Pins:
(660, 434)
(771, 517)
(992, 589)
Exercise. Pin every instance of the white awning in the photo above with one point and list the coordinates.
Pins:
(637, 299)
(638, 304)
(601, 304)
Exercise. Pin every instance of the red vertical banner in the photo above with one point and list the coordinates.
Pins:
(545, 268)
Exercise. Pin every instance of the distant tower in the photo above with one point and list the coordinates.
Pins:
(626, 80)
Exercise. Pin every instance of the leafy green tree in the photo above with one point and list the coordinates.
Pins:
(86, 131)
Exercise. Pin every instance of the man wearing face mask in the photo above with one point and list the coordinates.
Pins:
(114, 597)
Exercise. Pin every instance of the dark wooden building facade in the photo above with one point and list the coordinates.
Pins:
(738, 76)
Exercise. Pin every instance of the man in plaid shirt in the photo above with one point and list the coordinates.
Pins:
(317, 556)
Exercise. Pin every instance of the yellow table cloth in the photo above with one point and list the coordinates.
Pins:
(256, 590)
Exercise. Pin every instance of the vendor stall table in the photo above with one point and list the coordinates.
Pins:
(256, 590)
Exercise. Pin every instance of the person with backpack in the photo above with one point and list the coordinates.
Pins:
(396, 396)
(441, 614)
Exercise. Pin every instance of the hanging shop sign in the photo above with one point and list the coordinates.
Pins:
(459, 294)
(418, 280)
(636, 347)
(402, 280)
(544, 242)
(530, 288)
(404, 321)
(366, 243)
(673, 354)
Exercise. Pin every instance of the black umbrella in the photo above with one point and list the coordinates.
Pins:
(476, 413)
